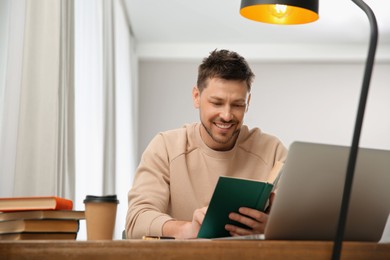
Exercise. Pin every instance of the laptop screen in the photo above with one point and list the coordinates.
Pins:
(308, 200)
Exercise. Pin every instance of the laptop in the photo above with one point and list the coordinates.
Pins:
(309, 195)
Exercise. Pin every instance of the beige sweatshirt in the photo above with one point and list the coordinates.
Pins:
(178, 172)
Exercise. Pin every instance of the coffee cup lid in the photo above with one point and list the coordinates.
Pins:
(108, 198)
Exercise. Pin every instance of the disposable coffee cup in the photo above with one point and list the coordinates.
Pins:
(100, 215)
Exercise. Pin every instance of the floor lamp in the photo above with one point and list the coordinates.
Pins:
(299, 12)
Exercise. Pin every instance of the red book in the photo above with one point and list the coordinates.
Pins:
(35, 203)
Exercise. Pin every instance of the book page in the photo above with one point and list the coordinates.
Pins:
(275, 173)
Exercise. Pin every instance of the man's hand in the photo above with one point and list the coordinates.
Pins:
(185, 229)
(197, 220)
(254, 219)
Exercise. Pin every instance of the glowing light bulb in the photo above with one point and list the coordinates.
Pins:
(280, 11)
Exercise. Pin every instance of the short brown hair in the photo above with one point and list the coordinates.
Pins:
(224, 64)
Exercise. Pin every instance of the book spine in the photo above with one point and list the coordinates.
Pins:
(64, 204)
(262, 201)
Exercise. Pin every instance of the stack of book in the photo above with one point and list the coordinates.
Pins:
(29, 218)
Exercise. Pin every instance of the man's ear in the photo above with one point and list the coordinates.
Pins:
(247, 103)
(196, 96)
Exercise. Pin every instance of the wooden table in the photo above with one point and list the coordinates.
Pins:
(188, 249)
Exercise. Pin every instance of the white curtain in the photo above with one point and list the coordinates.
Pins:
(105, 68)
(31, 112)
(67, 100)
(11, 51)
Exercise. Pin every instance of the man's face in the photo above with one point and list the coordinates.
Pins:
(222, 105)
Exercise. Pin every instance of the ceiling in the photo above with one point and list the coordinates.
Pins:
(182, 28)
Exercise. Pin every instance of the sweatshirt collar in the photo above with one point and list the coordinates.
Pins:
(213, 153)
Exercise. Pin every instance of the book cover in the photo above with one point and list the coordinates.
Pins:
(42, 214)
(38, 236)
(35, 203)
(38, 225)
(232, 193)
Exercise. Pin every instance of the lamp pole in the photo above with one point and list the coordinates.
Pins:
(358, 126)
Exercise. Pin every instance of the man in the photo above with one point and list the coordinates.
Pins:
(179, 169)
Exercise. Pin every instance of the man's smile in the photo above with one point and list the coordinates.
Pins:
(223, 126)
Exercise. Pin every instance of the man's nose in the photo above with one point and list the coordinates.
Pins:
(226, 114)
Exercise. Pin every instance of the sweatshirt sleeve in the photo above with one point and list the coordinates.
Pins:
(148, 199)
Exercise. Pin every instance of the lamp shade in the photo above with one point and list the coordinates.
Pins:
(280, 11)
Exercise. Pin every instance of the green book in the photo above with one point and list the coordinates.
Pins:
(229, 195)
